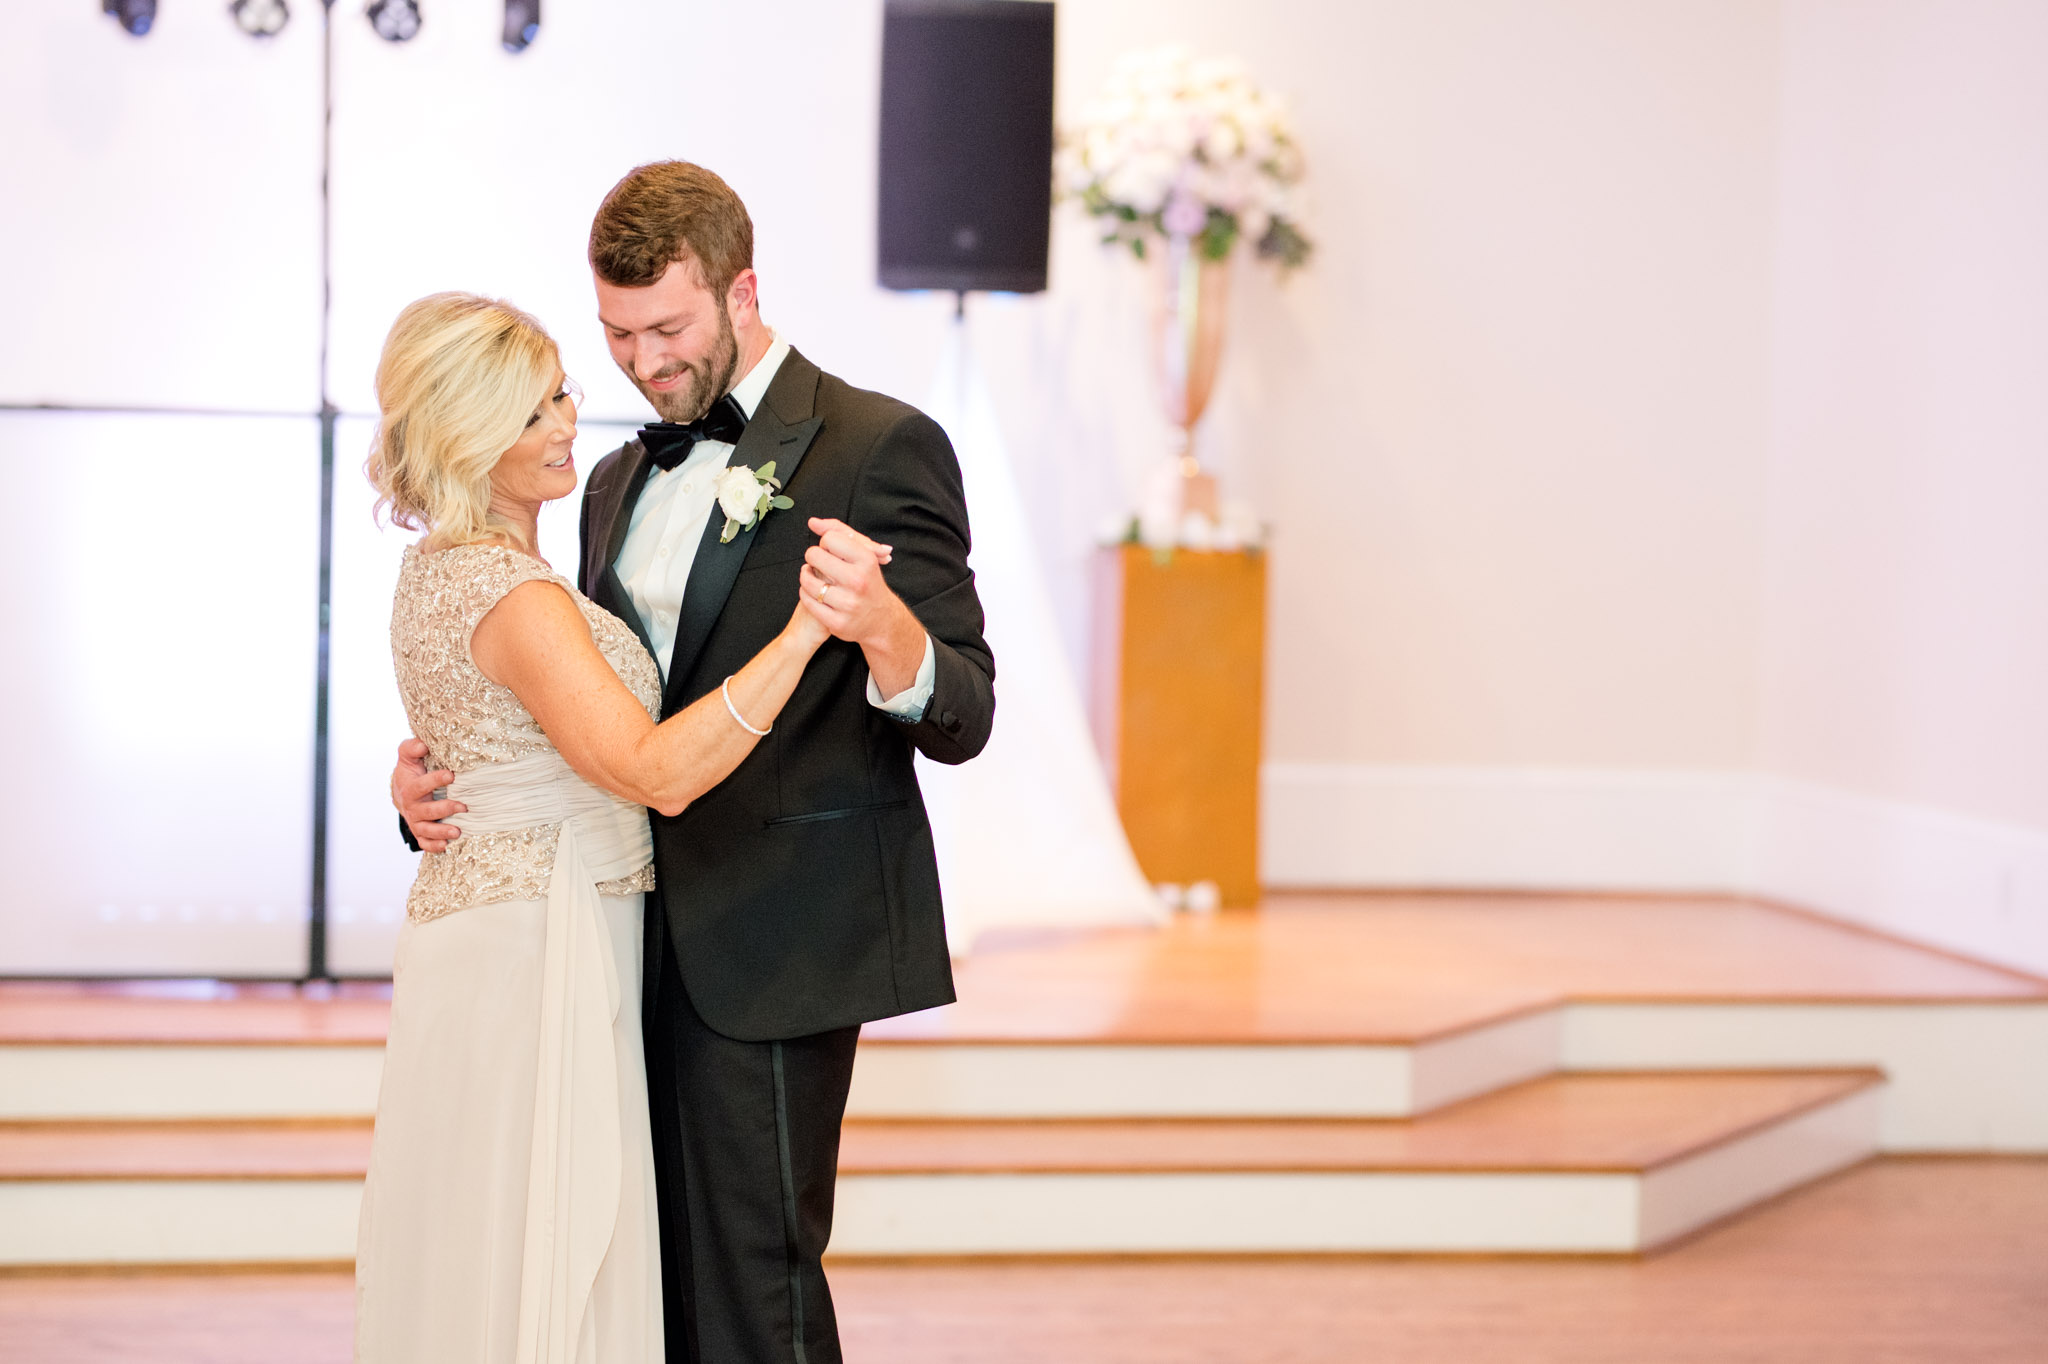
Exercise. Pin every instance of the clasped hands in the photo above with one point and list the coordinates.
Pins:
(841, 588)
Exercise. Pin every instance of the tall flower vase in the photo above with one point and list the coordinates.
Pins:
(1190, 306)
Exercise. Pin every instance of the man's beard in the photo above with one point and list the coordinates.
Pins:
(707, 384)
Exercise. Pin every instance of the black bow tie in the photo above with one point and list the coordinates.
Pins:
(669, 443)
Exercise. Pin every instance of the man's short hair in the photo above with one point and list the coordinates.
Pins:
(668, 211)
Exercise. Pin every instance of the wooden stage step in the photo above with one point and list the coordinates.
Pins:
(336, 1149)
(1620, 1123)
(1353, 1006)
(1575, 1163)
(1586, 1164)
(1381, 967)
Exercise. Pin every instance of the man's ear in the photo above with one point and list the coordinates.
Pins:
(744, 296)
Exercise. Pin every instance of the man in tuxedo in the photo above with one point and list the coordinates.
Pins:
(799, 898)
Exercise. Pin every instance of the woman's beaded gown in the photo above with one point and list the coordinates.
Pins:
(508, 1217)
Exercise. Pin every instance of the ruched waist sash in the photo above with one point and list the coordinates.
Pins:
(572, 1202)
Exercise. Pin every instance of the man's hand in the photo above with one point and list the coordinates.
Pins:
(412, 791)
(842, 587)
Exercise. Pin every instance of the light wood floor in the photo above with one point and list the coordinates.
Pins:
(1392, 967)
(1897, 1262)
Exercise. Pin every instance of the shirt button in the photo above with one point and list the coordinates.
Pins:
(662, 553)
(689, 488)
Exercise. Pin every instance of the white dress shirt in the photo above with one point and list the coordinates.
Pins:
(668, 524)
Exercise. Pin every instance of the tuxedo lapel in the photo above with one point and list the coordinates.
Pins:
(614, 517)
(781, 430)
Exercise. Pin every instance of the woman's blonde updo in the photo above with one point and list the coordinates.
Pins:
(458, 379)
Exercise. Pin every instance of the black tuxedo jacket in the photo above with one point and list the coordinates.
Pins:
(802, 893)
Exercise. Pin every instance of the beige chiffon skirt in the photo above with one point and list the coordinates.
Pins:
(443, 1249)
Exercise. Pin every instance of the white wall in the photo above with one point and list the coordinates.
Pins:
(1908, 564)
(1907, 569)
(1895, 768)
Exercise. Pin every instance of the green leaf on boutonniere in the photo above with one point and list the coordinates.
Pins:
(782, 503)
(766, 473)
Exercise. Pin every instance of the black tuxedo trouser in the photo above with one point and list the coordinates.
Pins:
(746, 1150)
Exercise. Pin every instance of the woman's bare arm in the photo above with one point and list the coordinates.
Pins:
(536, 642)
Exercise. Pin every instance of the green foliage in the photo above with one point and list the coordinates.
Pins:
(1217, 236)
(1284, 243)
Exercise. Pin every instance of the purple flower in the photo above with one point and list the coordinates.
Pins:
(1184, 215)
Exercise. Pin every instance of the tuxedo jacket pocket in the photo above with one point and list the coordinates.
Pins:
(820, 816)
(780, 539)
(783, 562)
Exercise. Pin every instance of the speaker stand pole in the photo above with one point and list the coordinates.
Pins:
(319, 975)
(959, 305)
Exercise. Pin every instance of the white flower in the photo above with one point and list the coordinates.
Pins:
(1172, 140)
(1239, 526)
(739, 494)
(746, 495)
(1102, 148)
(1137, 183)
(1223, 141)
(1232, 187)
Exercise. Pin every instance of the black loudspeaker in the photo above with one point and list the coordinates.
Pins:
(966, 167)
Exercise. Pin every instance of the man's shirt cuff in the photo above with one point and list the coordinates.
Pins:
(909, 704)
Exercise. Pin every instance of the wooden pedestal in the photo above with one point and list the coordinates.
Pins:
(1179, 672)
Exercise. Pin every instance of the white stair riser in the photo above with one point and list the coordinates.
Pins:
(1688, 1194)
(1166, 1080)
(178, 1221)
(1090, 1081)
(1118, 1214)
(1482, 1060)
(220, 1221)
(180, 1081)
(1963, 1077)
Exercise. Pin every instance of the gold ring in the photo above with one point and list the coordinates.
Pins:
(823, 589)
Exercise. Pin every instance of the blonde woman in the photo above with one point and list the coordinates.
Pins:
(510, 1209)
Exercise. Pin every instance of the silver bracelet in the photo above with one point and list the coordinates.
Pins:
(724, 689)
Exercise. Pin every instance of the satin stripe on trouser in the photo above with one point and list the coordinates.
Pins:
(746, 1144)
(573, 1180)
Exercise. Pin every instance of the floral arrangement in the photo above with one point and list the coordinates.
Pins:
(1177, 148)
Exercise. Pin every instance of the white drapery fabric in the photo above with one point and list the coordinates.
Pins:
(1027, 833)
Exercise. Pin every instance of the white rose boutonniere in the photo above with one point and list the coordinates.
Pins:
(746, 495)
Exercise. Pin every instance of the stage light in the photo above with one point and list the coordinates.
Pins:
(522, 23)
(260, 18)
(396, 21)
(137, 16)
